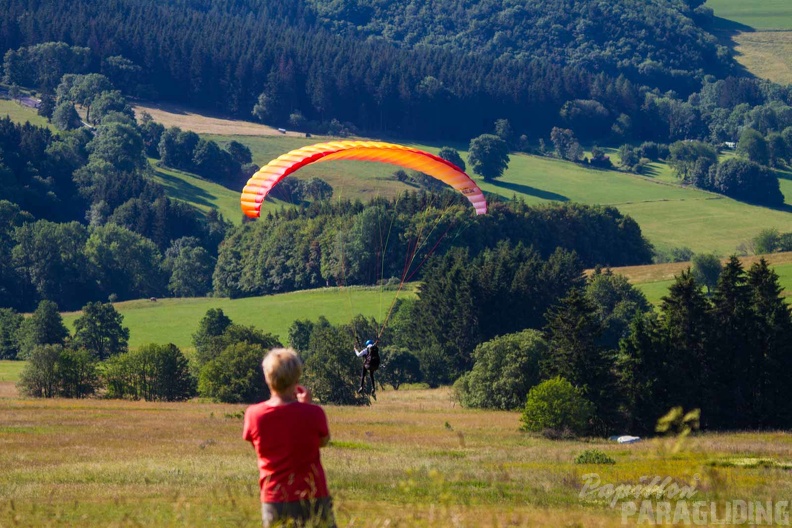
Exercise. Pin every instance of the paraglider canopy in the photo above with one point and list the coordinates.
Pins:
(262, 182)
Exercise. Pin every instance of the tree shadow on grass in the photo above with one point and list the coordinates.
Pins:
(185, 191)
(531, 191)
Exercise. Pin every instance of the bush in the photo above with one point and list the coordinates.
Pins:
(39, 378)
(53, 371)
(767, 241)
(593, 456)
(556, 404)
(235, 376)
(399, 366)
(505, 369)
(152, 372)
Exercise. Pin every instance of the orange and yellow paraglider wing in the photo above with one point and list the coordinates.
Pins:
(262, 182)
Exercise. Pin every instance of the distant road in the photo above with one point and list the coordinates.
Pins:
(174, 115)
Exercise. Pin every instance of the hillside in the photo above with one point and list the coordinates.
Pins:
(670, 215)
(593, 35)
(175, 320)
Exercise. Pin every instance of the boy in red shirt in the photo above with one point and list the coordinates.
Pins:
(287, 432)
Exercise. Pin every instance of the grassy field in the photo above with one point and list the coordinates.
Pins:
(203, 194)
(760, 32)
(758, 14)
(412, 459)
(20, 114)
(175, 320)
(654, 280)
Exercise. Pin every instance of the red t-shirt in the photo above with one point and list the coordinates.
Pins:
(286, 439)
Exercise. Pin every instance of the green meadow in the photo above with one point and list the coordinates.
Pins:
(201, 193)
(758, 14)
(175, 320)
(760, 32)
(21, 114)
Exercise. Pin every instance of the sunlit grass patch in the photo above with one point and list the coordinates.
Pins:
(751, 463)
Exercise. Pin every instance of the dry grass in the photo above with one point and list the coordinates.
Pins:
(178, 116)
(664, 272)
(766, 54)
(414, 458)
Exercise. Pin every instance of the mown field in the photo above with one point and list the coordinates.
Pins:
(20, 114)
(175, 320)
(758, 14)
(761, 34)
(412, 459)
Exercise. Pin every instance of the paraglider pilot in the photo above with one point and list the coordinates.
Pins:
(371, 362)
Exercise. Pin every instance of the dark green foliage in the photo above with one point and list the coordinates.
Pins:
(767, 241)
(151, 373)
(629, 157)
(47, 106)
(241, 153)
(10, 321)
(235, 375)
(488, 156)
(44, 327)
(190, 267)
(753, 146)
(599, 159)
(503, 130)
(748, 181)
(340, 62)
(151, 132)
(575, 353)
(556, 404)
(39, 378)
(594, 456)
(232, 335)
(772, 349)
(328, 244)
(332, 370)
(43, 65)
(683, 156)
(99, 331)
(706, 269)
(65, 116)
(300, 334)
(399, 366)
(213, 324)
(450, 154)
(125, 263)
(505, 369)
(616, 303)
(732, 339)
(464, 301)
(53, 371)
(566, 144)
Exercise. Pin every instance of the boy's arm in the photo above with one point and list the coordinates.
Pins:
(361, 353)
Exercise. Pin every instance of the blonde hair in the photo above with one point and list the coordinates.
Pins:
(282, 368)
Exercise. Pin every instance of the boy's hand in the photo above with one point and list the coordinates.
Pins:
(303, 394)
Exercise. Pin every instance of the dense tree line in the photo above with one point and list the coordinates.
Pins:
(351, 243)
